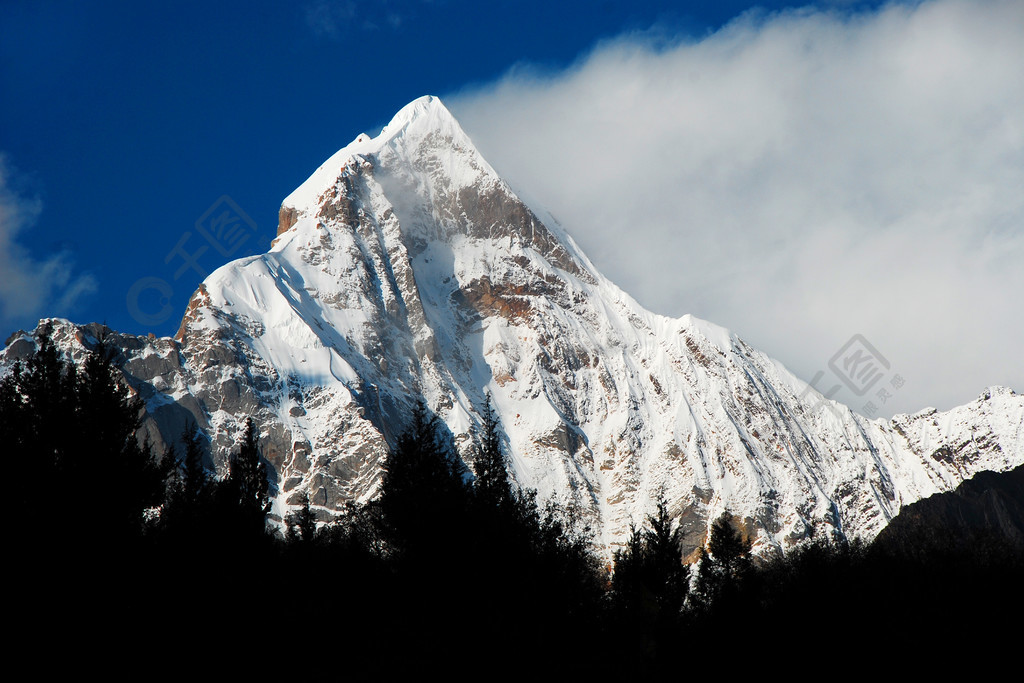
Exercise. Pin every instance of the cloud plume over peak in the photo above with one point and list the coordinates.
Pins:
(798, 177)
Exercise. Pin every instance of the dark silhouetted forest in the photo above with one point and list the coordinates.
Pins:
(117, 549)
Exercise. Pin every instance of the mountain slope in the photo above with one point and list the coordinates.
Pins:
(405, 267)
(987, 508)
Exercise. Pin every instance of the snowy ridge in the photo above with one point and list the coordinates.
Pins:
(406, 268)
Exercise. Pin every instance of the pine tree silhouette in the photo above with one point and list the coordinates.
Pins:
(424, 495)
(185, 516)
(246, 489)
(123, 475)
(196, 482)
(302, 524)
(492, 481)
(723, 566)
(649, 587)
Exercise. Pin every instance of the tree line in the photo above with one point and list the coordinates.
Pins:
(447, 565)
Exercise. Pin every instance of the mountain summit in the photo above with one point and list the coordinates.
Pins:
(406, 269)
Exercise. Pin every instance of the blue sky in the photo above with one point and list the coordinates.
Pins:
(122, 124)
(127, 121)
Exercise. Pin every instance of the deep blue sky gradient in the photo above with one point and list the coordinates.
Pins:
(129, 120)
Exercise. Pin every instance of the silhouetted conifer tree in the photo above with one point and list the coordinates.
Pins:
(196, 481)
(124, 476)
(75, 434)
(49, 400)
(188, 506)
(424, 495)
(649, 571)
(722, 567)
(15, 440)
(246, 491)
(78, 447)
(492, 482)
(649, 588)
(302, 524)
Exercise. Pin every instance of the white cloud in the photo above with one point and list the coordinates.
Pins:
(30, 287)
(798, 177)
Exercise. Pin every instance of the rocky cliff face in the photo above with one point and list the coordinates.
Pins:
(405, 268)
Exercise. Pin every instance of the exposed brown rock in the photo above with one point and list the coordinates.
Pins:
(200, 298)
(286, 218)
(488, 299)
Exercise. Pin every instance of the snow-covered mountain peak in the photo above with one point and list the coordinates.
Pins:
(406, 269)
(422, 136)
(424, 116)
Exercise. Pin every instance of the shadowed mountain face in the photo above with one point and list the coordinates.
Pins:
(406, 269)
(987, 508)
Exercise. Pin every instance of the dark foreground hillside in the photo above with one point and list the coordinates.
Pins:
(986, 508)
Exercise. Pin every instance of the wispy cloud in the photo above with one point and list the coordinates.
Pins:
(330, 18)
(335, 19)
(798, 177)
(32, 287)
